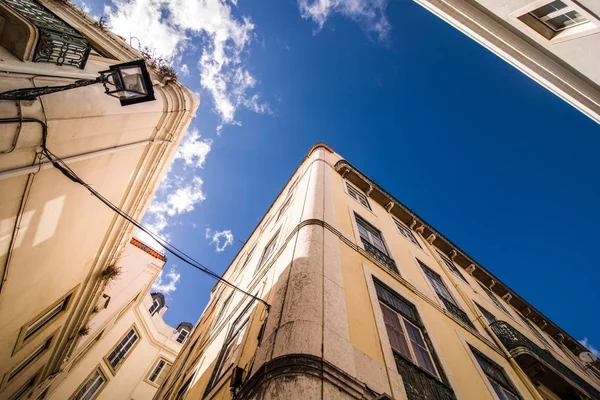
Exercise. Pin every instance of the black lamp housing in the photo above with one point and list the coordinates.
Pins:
(129, 82)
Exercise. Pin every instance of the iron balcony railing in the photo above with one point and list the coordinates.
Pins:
(58, 42)
(380, 255)
(420, 385)
(457, 312)
(513, 339)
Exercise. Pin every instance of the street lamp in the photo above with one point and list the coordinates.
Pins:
(129, 82)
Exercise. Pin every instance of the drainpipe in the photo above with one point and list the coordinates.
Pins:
(520, 373)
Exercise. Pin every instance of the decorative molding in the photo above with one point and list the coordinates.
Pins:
(431, 238)
(543, 324)
(452, 254)
(507, 297)
(491, 284)
(559, 337)
(413, 223)
(345, 172)
(368, 193)
(470, 269)
(420, 229)
(526, 311)
(389, 206)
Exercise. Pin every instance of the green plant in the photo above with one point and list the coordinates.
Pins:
(83, 331)
(162, 66)
(102, 23)
(110, 273)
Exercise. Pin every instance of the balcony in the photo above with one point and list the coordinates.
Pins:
(57, 42)
(541, 366)
(380, 256)
(457, 312)
(420, 385)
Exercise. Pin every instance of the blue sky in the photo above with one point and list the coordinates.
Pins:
(501, 166)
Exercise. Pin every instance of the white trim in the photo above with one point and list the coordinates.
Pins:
(345, 185)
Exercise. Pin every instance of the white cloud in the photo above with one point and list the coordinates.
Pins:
(185, 70)
(142, 20)
(221, 239)
(166, 283)
(192, 150)
(369, 14)
(182, 200)
(167, 25)
(585, 342)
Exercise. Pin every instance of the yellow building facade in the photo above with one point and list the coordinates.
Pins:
(367, 301)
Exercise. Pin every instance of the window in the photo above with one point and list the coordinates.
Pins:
(444, 295)
(293, 185)
(154, 307)
(558, 16)
(29, 359)
(403, 329)
(486, 314)
(182, 335)
(92, 386)
(23, 390)
(232, 343)
(284, 207)
(358, 195)
(249, 256)
(221, 312)
(503, 388)
(534, 330)
(450, 264)
(493, 297)
(160, 371)
(370, 235)
(269, 249)
(42, 320)
(118, 355)
(406, 232)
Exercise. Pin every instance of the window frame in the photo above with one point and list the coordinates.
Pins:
(486, 314)
(490, 381)
(359, 195)
(451, 266)
(154, 308)
(361, 222)
(407, 233)
(492, 296)
(523, 19)
(128, 352)
(24, 338)
(426, 271)
(413, 317)
(28, 361)
(533, 329)
(87, 379)
(264, 258)
(181, 332)
(29, 384)
(167, 365)
(286, 204)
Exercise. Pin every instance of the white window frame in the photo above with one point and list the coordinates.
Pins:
(488, 380)
(573, 32)
(184, 333)
(101, 375)
(284, 208)
(268, 251)
(154, 307)
(159, 371)
(407, 233)
(357, 195)
(123, 341)
(369, 230)
(494, 299)
(451, 266)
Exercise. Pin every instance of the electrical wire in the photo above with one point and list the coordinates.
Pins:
(59, 164)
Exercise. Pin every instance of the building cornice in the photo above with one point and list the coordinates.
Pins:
(410, 218)
(147, 249)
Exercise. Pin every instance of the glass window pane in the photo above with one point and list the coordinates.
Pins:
(548, 8)
(498, 390)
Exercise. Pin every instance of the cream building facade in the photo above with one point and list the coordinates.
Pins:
(554, 42)
(368, 301)
(57, 242)
(129, 349)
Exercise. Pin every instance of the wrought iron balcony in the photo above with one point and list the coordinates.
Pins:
(514, 340)
(381, 256)
(457, 312)
(419, 384)
(58, 42)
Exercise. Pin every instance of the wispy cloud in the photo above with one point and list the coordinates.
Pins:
(193, 150)
(585, 342)
(369, 14)
(185, 70)
(169, 25)
(221, 239)
(166, 283)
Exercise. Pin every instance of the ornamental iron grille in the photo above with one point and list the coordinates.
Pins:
(58, 42)
(512, 339)
(380, 256)
(418, 383)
